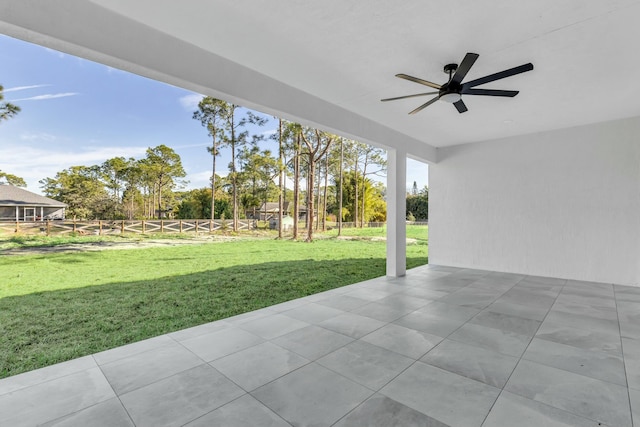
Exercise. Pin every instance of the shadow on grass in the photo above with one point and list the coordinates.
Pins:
(42, 329)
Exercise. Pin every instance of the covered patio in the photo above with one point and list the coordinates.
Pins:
(534, 209)
(439, 347)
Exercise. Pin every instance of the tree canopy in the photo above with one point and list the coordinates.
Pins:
(11, 179)
(418, 204)
(7, 110)
(332, 177)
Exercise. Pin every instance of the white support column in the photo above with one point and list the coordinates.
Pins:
(396, 206)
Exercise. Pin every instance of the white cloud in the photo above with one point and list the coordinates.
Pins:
(42, 136)
(191, 145)
(190, 102)
(36, 163)
(54, 52)
(14, 89)
(111, 70)
(47, 96)
(201, 179)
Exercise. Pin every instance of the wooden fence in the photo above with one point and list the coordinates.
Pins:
(104, 227)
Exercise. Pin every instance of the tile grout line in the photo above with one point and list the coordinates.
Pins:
(66, 376)
(149, 351)
(114, 392)
(467, 321)
(525, 350)
(624, 362)
(204, 362)
(250, 393)
(402, 371)
(50, 379)
(396, 376)
(598, 351)
(399, 373)
(231, 401)
(181, 372)
(542, 364)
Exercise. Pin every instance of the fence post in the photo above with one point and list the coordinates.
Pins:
(143, 228)
(17, 227)
(48, 227)
(162, 226)
(74, 224)
(100, 228)
(196, 226)
(122, 227)
(180, 226)
(210, 225)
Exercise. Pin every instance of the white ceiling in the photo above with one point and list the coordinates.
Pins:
(329, 62)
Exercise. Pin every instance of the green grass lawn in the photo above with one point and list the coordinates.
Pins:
(60, 306)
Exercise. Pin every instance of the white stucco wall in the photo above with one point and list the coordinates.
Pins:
(564, 203)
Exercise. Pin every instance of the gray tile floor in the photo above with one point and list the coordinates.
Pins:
(440, 347)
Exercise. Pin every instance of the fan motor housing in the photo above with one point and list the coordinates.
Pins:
(450, 97)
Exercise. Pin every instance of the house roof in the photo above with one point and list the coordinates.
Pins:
(16, 196)
(273, 206)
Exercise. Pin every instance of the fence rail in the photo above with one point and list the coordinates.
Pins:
(104, 227)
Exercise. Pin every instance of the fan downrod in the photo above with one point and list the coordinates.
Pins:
(450, 69)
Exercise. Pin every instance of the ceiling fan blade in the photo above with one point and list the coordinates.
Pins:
(425, 105)
(409, 96)
(497, 76)
(489, 92)
(463, 68)
(460, 106)
(417, 80)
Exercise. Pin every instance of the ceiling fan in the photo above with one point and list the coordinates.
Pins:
(453, 90)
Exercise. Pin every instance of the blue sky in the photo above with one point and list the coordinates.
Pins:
(78, 112)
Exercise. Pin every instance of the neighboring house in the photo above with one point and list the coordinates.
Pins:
(267, 211)
(18, 204)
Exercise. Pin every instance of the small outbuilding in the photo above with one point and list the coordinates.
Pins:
(267, 211)
(287, 223)
(18, 204)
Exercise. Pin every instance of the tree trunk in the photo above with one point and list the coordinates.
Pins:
(280, 179)
(131, 210)
(310, 207)
(326, 183)
(318, 200)
(152, 207)
(160, 198)
(284, 180)
(314, 155)
(213, 180)
(341, 183)
(364, 189)
(233, 169)
(364, 197)
(296, 188)
(355, 202)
